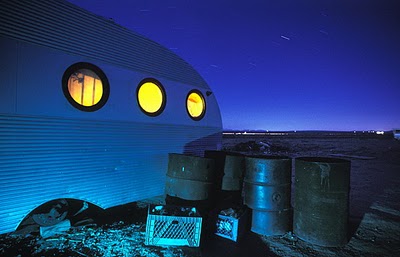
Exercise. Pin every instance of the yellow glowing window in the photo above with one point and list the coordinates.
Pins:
(85, 86)
(151, 97)
(195, 105)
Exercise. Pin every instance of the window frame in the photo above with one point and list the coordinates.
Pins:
(201, 116)
(163, 93)
(103, 78)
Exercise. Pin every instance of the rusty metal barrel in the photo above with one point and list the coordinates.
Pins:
(190, 177)
(321, 200)
(267, 190)
(230, 166)
(229, 170)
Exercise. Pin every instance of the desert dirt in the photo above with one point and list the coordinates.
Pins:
(374, 194)
(374, 211)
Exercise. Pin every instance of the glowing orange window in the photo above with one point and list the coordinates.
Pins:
(85, 86)
(195, 105)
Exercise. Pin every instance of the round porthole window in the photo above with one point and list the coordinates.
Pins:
(85, 86)
(151, 97)
(195, 105)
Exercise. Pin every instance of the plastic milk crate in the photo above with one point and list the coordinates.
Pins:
(232, 224)
(173, 225)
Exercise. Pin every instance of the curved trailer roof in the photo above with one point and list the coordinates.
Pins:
(61, 25)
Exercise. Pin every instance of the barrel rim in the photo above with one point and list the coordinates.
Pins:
(190, 156)
(269, 157)
(225, 153)
(318, 159)
(209, 180)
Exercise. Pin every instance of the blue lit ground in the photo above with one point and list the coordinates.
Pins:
(374, 211)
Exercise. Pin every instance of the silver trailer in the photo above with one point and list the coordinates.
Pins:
(89, 110)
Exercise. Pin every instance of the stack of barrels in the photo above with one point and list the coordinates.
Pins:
(205, 182)
(263, 183)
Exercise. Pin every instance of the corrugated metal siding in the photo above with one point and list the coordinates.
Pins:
(105, 163)
(60, 25)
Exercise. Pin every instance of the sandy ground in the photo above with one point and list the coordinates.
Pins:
(374, 211)
(374, 195)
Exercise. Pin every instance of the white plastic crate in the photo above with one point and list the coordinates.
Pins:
(234, 226)
(172, 225)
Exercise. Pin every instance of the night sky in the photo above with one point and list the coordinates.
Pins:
(281, 65)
